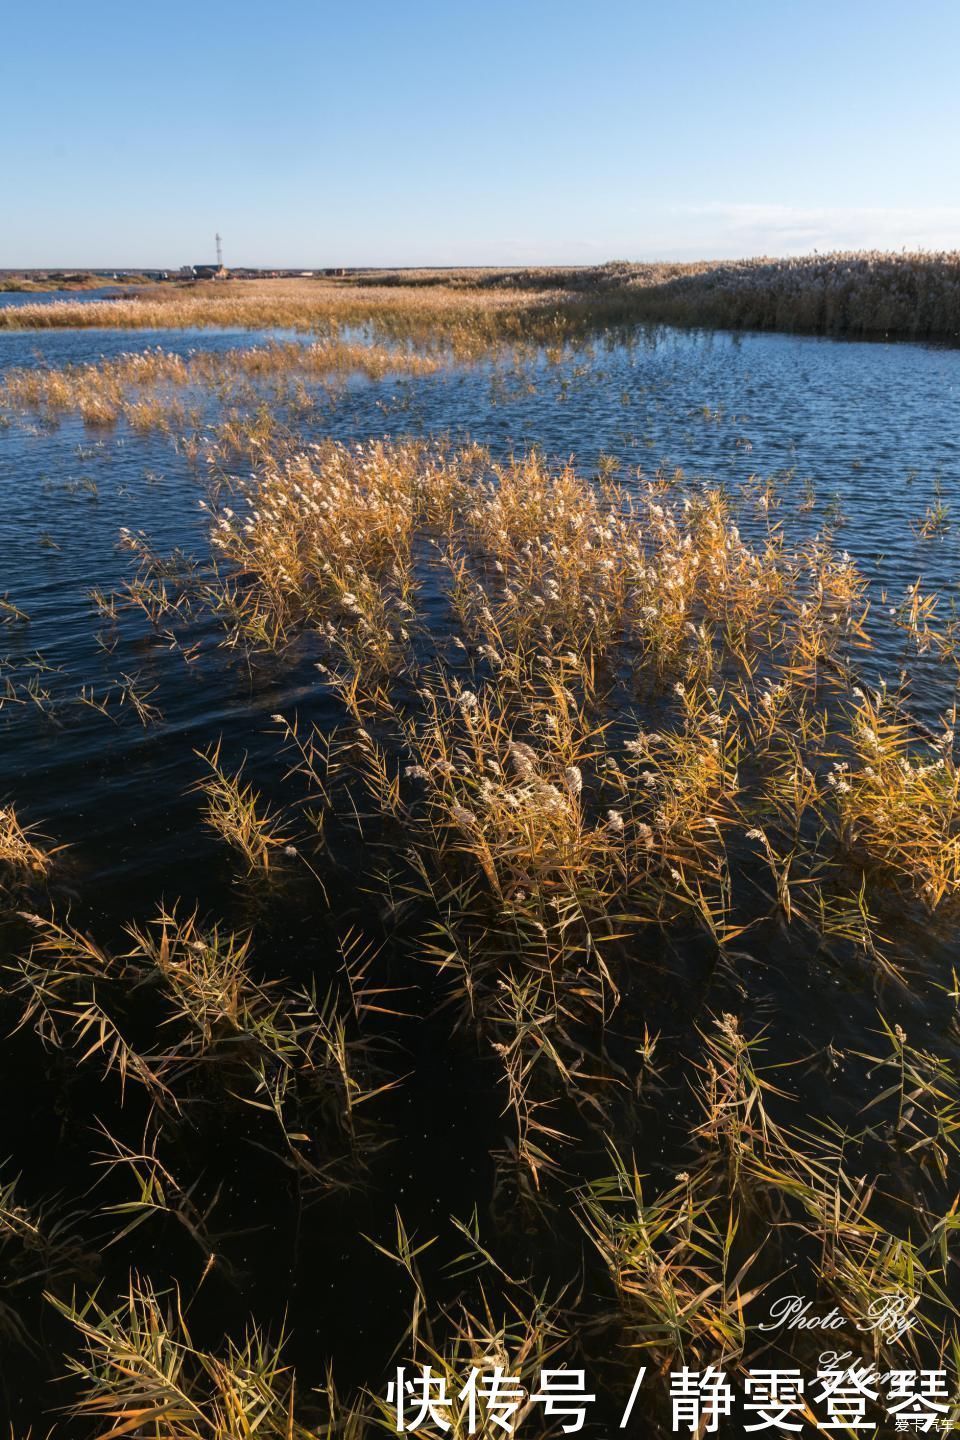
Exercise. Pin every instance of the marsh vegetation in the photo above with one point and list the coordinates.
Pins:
(863, 293)
(461, 903)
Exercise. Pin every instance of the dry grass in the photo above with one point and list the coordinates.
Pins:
(234, 811)
(142, 1375)
(21, 858)
(539, 824)
(219, 1033)
(857, 293)
(142, 387)
(307, 305)
(899, 801)
(687, 1263)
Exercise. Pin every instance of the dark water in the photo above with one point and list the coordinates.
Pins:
(874, 428)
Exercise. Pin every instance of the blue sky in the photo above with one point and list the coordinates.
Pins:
(440, 131)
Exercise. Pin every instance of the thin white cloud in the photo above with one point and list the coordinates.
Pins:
(720, 230)
(723, 229)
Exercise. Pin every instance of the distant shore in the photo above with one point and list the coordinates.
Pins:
(26, 285)
(867, 295)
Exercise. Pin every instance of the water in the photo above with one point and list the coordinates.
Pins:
(875, 428)
(49, 297)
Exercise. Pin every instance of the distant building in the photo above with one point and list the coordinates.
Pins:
(203, 272)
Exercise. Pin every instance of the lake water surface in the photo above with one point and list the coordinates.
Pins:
(50, 297)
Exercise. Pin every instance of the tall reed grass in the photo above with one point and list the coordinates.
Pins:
(868, 293)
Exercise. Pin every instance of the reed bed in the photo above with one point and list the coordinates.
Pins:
(859, 293)
(470, 321)
(540, 824)
(911, 295)
(597, 741)
(141, 387)
(565, 597)
(907, 294)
